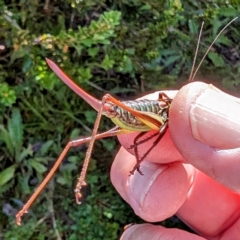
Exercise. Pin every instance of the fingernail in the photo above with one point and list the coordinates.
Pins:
(139, 185)
(215, 119)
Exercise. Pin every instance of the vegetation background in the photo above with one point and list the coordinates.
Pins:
(124, 47)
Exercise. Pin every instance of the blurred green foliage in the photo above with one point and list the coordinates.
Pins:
(121, 47)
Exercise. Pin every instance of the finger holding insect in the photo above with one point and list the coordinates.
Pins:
(204, 124)
(156, 195)
(160, 191)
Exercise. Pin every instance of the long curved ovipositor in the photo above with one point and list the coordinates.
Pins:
(95, 103)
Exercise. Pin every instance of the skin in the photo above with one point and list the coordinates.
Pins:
(193, 172)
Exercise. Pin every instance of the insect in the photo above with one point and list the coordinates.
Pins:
(129, 116)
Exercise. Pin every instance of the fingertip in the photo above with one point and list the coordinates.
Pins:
(208, 137)
(203, 113)
(154, 196)
(154, 232)
(179, 113)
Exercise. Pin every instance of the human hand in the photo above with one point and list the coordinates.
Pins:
(204, 131)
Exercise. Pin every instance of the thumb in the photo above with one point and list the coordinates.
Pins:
(205, 127)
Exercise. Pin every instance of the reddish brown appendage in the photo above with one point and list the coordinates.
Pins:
(81, 182)
(77, 190)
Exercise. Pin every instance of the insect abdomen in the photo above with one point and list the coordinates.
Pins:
(124, 119)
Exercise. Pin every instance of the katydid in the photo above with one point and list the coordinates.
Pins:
(129, 116)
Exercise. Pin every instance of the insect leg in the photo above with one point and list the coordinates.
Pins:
(135, 148)
(140, 135)
(139, 160)
(113, 132)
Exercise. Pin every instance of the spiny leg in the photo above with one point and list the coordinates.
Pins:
(139, 160)
(140, 135)
(81, 180)
(136, 143)
(164, 97)
(135, 148)
(113, 132)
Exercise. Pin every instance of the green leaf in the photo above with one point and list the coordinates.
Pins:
(25, 152)
(90, 116)
(171, 60)
(7, 174)
(107, 63)
(75, 133)
(24, 183)
(7, 139)
(27, 65)
(193, 27)
(7, 95)
(61, 180)
(167, 52)
(93, 51)
(15, 129)
(19, 53)
(216, 26)
(228, 12)
(112, 16)
(87, 42)
(84, 74)
(216, 59)
(45, 147)
(109, 144)
(126, 65)
(145, 7)
(224, 40)
(39, 167)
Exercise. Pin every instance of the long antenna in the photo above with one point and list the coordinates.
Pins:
(196, 52)
(215, 39)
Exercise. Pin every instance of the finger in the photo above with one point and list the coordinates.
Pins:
(157, 194)
(233, 232)
(148, 231)
(164, 152)
(204, 124)
(210, 208)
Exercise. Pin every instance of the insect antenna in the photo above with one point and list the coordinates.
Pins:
(196, 52)
(215, 39)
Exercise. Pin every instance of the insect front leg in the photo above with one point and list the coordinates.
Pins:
(164, 97)
(139, 160)
(135, 145)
